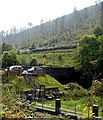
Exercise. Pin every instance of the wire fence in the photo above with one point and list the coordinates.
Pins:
(70, 108)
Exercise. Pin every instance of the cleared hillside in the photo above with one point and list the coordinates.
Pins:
(63, 31)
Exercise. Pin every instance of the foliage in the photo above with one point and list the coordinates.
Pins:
(100, 61)
(10, 58)
(33, 62)
(98, 31)
(72, 86)
(14, 107)
(87, 112)
(59, 57)
(75, 90)
(88, 50)
(24, 60)
(33, 46)
(44, 56)
(97, 88)
(18, 52)
(21, 109)
(89, 54)
(17, 82)
(6, 47)
(11, 87)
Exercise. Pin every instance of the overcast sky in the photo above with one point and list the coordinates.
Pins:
(19, 12)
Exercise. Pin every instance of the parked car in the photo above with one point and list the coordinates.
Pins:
(24, 72)
(31, 70)
(34, 69)
(14, 68)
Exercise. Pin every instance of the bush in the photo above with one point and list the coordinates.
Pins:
(59, 57)
(72, 86)
(44, 56)
(76, 90)
(33, 62)
(97, 88)
(10, 58)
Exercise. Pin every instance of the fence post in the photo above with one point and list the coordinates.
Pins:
(57, 106)
(75, 108)
(95, 110)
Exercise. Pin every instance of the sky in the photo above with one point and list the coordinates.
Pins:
(19, 13)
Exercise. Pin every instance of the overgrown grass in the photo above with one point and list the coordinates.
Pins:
(17, 82)
(48, 81)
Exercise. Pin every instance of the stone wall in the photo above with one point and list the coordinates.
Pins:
(37, 93)
(13, 73)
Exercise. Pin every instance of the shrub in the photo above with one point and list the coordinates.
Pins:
(59, 57)
(97, 88)
(10, 58)
(76, 90)
(72, 86)
(33, 62)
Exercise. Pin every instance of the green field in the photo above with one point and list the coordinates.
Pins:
(61, 58)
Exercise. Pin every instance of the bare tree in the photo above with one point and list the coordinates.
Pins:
(30, 24)
(97, 2)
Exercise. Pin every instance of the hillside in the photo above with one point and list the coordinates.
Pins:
(21, 84)
(60, 32)
(48, 81)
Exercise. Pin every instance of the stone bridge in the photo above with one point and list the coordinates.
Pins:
(62, 74)
(66, 75)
